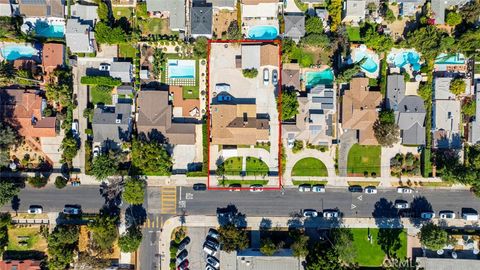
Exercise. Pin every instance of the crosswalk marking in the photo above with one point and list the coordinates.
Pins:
(168, 200)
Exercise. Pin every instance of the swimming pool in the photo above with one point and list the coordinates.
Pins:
(314, 78)
(181, 69)
(15, 51)
(369, 65)
(450, 59)
(44, 29)
(263, 32)
(406, 57)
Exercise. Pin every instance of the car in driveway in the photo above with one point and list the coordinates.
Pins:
(199, 187)
(104, 67)
(274, 77)
(182, 256)
(446, 214)
(256, 188)
(355, 189)
(35, 209)
(404, 190)
(427, 215)
(183, 265)
(235, 187)
(399, 204)
(213, 261)
(265, 76)
(318, 188)
(305, 188)
(370, 190)
(213, 234)
(310, 213)
(329, 214)
(183, 244)
(96, 151)
(75, 127)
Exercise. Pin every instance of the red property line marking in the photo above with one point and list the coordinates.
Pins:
(279, 108)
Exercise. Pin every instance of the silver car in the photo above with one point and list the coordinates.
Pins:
(405, 190)
(370, 190)
(318, 188)
(310, 213)
(305, 188)
(213, 261)
(402, 205)
(266, 76)
(328, 214)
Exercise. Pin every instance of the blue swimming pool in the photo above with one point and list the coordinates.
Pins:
(404, 58)
(13, 51)
(263, 32)
(450, 59)
(181, 69)
(369, 65)
(314, 78)
(44, 29)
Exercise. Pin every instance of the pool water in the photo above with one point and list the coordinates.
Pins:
(450, 59)
(315, 78)
(404, 58)
(181, 69)
(369, 65)
(14, 52)
(263, 32)
(44, 29)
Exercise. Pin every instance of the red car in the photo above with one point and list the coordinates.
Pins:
(183, 265)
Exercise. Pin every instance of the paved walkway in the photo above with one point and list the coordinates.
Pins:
(389, 152)
(347, 140)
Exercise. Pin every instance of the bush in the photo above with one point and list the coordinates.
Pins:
(100, 80)
(37, 181)
(60, 182)
(250, 73)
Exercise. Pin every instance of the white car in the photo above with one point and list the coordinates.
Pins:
(213, 261)
(310, 213)
(75, 127)
(256, 188)
(402, 205)
(104, 67)
(209, 250)
(446, 214)
(290, 143)
(318, 188)
(266, 76)
(35, 209)
(96, 151)
(370, 190)
(330, 214)
(427, 215)
(405, 190)
(305, 188)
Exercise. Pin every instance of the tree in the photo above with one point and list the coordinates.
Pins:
(289, 103)
(323, 258)
(335, 8)
(7, 192)
(469, 42)
(60, 182)
(24, 77)
(375, 40)
(134, 191)
(433, 237)
(159, 59)
(62, 243)
(457, 86)
(103, 11)
(347, 73)
(429, 41)
(342, 244)
(268, 247)
(250, 73)
(232, 238)
(470, 11)
(104, 232)
(317, 40)
(59, 93)
(105, 34)
(233, 32)
(200, 47)
(37, 181)
(385, 129)
(7, 73)
(105, 165)
(469, 107)
(5, 221)
(130, 241)
(69, 147)
(313, 25)
(454, 18)
(151, 157)
(389, 16)
(300, 244)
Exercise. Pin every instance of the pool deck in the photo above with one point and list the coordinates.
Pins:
(408, 68)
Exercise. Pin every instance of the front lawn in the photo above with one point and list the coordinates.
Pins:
(244, 183)
(26, 238)
(190, 92)
(354, 33)
(370, 254)
(119, 12)
(309, 167)
(126, 50)
(233, 166)
(100, 94)
(254, 166)
(364, 160)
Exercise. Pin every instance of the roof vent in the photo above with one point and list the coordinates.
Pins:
(119, 118)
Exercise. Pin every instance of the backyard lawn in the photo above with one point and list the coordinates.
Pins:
(371, 254)
(127, 50)
(353, 33)
(191, 92)
(254, 166)
(309, 167)
(119, 12)
(99, 94)
(29, 238)
(364, 160)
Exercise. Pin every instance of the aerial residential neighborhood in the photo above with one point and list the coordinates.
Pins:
(239, 134)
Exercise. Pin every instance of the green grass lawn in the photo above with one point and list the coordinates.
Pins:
(127, 50)
(371, 254)
(364, 158)
(22, 239)
(119, 12)
(309, 167)
(354, 33)
(233, 166)
(228, 182)
(99, 95)
(256, 166)
(191, 92)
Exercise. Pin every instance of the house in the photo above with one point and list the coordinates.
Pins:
(409, 111)
(294, 26)
(124, 3)
(122, 70)
(41, 8)
(446, 116)
(315, 121)
(20, 265)
(475, 125)
(23, 109)
(79, 36)
(291, 75)
(409, 8)
(53, 56)
(85, 13)
(112, 125)
(174, 10)
(235, 122)
(354, 11)
(256, 55)
(183, 107)
(5, 8)
(201, 19)
(250, 259)
(154, 115)
(439, 6)
(359, 110)
(262, 9)
(223, 4)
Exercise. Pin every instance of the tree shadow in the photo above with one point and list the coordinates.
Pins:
(135, 215)
(265, 224)
(390, 227)
(15, 204)
(418, 206)
(231, 215)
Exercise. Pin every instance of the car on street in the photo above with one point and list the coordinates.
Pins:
(199, 187)
(209, 249)
(35, 209)
(183, 244)
(329, 214)
(213, 261)
(265, 76)
(209, 267)
(427, 215)
(256, 188)
(370, 190)
(183, 265)
(72, 210)
(310, 213)
(404, 190)
(104, 67)
(213, 234)
(446, 214)
(355, 189)
(96, 151)
(305, 188)
(318, 188)
(182, 256)
(274, 77)
(235, 187)
(399, 204)
(75, 127)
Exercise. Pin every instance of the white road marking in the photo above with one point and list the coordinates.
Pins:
(353, 206)
(360, 197)
(189, 196)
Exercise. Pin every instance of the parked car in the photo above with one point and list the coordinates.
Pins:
(265, 76)
(212, 242)
(72, 210)
(427, 215)
(256, 188)
(370, 190)
(209, 249)
(35, 209)
(405, 190)
(235, 187)
(213, 261)
(330, 214)
(199, 187)
(446, 214)
(290, 143)
(96, 151)
(213, 234)
(274, 77)
(183, 265)
(470, 216)
(75, 127)
(182, 256)
(104, 67)
(355, 189)
(311, 213)
(209, 267)
(399, 204)
(318, 188)
(305, 188)
(183, 244)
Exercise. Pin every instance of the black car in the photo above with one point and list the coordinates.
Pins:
(355, 189)
(212, 242)
(184, 243)
(182, 256)
(199, 187)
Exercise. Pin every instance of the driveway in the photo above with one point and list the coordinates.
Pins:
(389, 152)
(347, 140)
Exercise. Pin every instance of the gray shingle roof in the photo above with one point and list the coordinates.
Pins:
(475, 126)
(121, 70)
(176, 8)
(112, 123)
(294, 25)
(395, 90)
(86, 13)
(78, 36)
(201, 18)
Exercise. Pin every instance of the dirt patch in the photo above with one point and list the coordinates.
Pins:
(319, 55)
(221, 21)
(28, 154)
(84, 241)
(23, 238)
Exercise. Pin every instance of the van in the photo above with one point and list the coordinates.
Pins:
(470, 216)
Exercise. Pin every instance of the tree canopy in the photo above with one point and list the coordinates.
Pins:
(232, 238)
(375, 40)
(300, 244)
(250, 73)
(385, 129)
(429, 41)
(130, 241)
(200, 47)
(289, 104)
(8, 137)
(62, 243)
(470, 11)
(150, 157)
(104, 232)
(323, 258)
(134, 191)
(335, 8)
(7, 192)
(105, 34)
(433, 237)
(104, 166)
(457, 86)
(313, 25)
(268, 247)
(453, 18)
(342, 244)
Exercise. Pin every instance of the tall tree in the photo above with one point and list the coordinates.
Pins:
(233, 238)
(385, 129)
(62, 243)
(7, 192)
(150, 156)
(454, 18)
(313, 25)
(104, 232)
(457, 86)
(323, 258)
(300, 244)
(471, 11)
(200, 47)
(433, 237)
(289, 103)
(343, 245)
(130, 241)
(268, 247)
(134, 191)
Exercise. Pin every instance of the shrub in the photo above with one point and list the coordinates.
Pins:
(60, 182)
(250, 73)
(37, 181)
(100, 80)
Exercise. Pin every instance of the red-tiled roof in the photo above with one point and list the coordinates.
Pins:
(20, 265)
